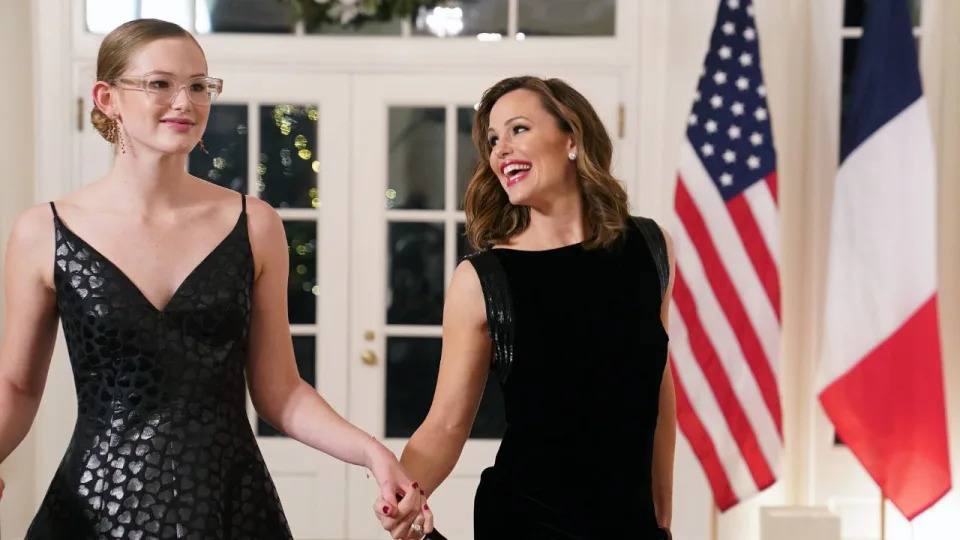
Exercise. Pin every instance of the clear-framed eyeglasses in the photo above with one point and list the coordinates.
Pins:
(163, 88)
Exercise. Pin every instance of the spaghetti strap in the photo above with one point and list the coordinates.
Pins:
(243, 197)
(54, 208)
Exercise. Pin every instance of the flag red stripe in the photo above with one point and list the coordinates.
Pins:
(889, 409)
(756, 248)
(716, 376)
(773, 186)
(727, 296)
(703, 446)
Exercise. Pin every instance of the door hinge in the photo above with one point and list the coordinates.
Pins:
(620, 120)
(79, 114)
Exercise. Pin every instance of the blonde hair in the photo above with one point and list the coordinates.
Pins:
(115, 52)
(492, 219)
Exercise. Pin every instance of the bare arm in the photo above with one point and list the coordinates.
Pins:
(665, 438)
(30, 330)
(280, 395)
(435, 447)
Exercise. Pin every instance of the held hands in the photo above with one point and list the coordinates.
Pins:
(402, 506)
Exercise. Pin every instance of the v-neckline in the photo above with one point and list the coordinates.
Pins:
(133, 284)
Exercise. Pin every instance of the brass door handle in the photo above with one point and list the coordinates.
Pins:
(369, 357)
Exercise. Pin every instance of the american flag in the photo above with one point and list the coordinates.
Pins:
(725, 305)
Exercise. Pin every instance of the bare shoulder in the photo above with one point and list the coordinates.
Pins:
(265, 229)
(33, 229)
(465, 295)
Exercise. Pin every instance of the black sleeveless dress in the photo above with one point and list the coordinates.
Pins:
(579, 350)
(162, 446)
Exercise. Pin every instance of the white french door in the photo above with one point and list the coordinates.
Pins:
(412, 156)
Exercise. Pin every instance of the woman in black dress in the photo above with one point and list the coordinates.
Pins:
(566, 303)
(169, 289)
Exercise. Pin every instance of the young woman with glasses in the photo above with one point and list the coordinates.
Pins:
(172, 296)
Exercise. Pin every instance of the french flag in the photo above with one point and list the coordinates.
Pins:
(880, 376)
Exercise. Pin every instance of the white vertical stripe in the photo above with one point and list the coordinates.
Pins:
(707, 410)
(764, 210)
(882, 262)
(729, 247)
(724, 341)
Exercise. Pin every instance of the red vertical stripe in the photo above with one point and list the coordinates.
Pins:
(773, 186)
(889, 409)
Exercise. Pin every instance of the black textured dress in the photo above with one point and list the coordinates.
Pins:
(162, 447)
(579, 350)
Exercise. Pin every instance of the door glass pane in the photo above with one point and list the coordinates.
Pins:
(288, 156)
(226, 141)
(469, 18)
(305, 352)
(105, 15)
(466, 152)
(412, 368)
(175, 11)
(302, 286)
(415, 273)
(854, 12)
(567, 17)
(416, 157)
(244, 16)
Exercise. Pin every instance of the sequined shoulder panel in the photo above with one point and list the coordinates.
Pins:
(500, 313)
(657, 244)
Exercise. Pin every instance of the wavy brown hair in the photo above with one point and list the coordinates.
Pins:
(492, 219)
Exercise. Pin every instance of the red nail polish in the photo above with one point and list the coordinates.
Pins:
(415, 485)
(386, 510)
(425, 507)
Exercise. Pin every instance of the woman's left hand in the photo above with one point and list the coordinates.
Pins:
(396, 485)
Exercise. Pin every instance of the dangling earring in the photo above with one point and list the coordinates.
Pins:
(572, 156)
(204, 148)
(117, 133)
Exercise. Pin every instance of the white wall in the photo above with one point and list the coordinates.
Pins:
(16, 183)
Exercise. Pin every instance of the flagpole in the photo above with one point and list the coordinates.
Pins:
(714, 522)
(883, 517)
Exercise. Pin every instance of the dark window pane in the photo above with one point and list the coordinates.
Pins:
(415, 270)
(854, 11)
(412, 367)
(567, 17)
(244, 16)
(226, 141)
(462, 18)
(392, 27)
(288, 156)
(466, 152)
(302, 286)
(416, 153)
(851, 46)
(463, 244)
(305, 351)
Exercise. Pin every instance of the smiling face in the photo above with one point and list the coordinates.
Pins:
(162, 96)
(529, 152)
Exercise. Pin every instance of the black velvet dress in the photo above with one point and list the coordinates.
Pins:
(579, 350)
(162, 447)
